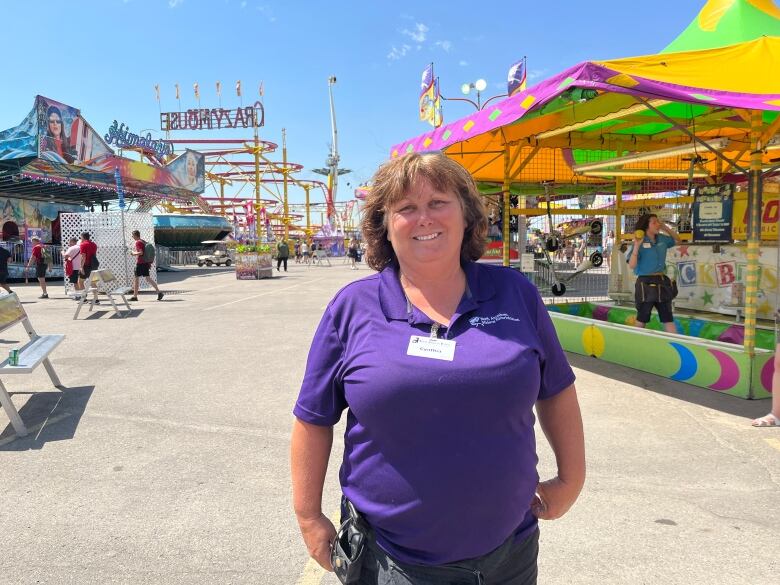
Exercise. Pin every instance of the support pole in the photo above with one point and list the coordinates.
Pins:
(285, 170)
(307, 188)
(222, 197)
(257, 185)
(753, 232)
(506, 215)
(618, 209)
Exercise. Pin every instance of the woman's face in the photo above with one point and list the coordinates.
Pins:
(653, 227)
(426, 225)
(192, 169)
(55, 125)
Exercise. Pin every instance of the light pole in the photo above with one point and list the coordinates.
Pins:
(479, 85)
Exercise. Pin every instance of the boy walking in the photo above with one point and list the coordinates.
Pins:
(72, 258)
(142, 265)
(38, 257)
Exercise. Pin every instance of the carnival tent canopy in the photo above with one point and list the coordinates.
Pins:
(600, 110)
(54, 155)
(728, 22)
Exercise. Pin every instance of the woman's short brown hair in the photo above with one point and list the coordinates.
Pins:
(392, 182)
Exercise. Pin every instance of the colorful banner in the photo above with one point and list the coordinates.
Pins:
(516, 78)
(189, 171)
(65, 137)
(770, 210)
(713, 213)
(427, 94)
(715, 281)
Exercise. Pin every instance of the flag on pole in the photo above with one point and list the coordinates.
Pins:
(197, 90)
(238, 88)
(260, 89)
(437, 117)
(430, 98)
(427, 94)
(516, 79)
(219, 89)
(157, 92)
(177, 92)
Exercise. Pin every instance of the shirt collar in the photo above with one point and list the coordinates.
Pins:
(393, 300)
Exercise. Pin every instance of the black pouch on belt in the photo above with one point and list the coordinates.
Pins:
(349, 547)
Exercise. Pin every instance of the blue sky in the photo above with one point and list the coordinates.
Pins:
(104, 57)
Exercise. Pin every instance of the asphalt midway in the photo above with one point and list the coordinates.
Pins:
(165, 460)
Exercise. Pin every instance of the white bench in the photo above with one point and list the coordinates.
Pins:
(31, 355)
(106, 277)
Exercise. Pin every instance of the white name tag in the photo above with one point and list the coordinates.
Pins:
(647, 245)
(435, 349)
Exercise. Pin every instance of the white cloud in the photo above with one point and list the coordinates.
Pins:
(175, 3)
(463, 63)
(396, 53)
(243, 4)
(267, 11)
(536, 74)
(419, 34)
(445, 46)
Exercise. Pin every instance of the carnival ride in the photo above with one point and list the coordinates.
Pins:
(646, 131)
(258, 205)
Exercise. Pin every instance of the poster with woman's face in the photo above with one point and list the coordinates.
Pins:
(189, 171)
(64, 136)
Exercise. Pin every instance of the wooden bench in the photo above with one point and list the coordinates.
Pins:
(31, 355)
(106, 277)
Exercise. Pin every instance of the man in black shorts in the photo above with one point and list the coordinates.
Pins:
(142, 266)
(4, 256)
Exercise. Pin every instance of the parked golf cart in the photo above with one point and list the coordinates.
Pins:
(214, 253)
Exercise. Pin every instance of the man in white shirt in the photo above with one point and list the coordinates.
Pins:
(73, 255)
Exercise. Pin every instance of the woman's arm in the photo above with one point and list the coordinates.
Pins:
(671, 232)
(561, 422)
(309, 454)
(634, 257)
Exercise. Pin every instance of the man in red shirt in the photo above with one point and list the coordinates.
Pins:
(88, 253)
(142, 266)
(40, 265)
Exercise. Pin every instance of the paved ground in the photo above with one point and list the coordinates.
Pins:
(166, 459)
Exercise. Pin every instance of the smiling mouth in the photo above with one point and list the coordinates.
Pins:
(428, 237)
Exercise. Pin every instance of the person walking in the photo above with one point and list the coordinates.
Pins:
(88, 258)
(143, 264)
(609, 243)
(38, 257)
(282, 254)
(72, 258)
(439, 361)
(305, 252)
(352, 252)
(297, 248)
(647, 258)
(5, 255)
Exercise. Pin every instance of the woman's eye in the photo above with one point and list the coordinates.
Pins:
(405, 209)
(437, 203)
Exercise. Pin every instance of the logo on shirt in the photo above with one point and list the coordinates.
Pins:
(483, 321)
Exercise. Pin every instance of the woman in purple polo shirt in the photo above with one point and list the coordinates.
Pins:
(439, 361)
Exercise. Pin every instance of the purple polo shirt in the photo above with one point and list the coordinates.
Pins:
(440, 456)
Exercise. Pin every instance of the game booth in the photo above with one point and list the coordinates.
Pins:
(690, 134)
(55, 165)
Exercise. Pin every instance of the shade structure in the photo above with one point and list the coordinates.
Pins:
(600, 109)
(728, 22)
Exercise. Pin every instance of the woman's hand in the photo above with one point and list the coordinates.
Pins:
(318, 534)
(553, 499)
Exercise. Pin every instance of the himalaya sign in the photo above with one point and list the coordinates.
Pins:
(121, 136)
